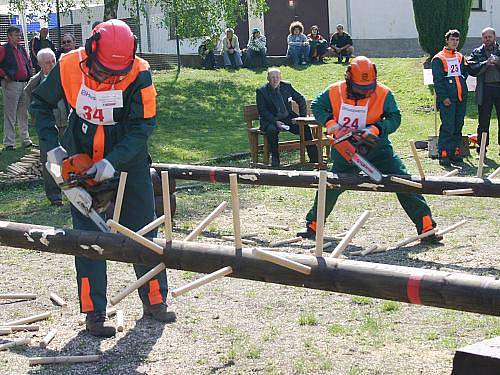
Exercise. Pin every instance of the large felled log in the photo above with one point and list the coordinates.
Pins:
(419, 286)
(308, 179)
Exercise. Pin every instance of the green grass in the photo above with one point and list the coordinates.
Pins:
(307, 319)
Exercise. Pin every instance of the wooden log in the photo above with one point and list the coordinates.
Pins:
(29, 319)
(138, 283)
(202, 281)
(414, 238)
(17, 342)
(167, 213)
(417, 159)
(459, 291)
(458, 192)
(206, 222)
(119, 320)
(494, 174)
(48, 338)
(22, 327)
(63, 359)
(482, 154)
(135, 237)
(406, 182)
(284, 262)
(320, 217)
(58, 300)
(309, 179)
(286, 242)
(151, 226)
(350, 235)
(119, 198)
(451, 227)
(18, 296)
(451, 173)
(235, 205)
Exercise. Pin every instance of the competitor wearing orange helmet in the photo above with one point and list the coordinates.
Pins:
(361, 103)
(113, 108)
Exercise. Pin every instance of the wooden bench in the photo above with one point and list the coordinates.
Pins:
(251, 117)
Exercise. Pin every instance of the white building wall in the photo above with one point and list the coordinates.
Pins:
(337, 13)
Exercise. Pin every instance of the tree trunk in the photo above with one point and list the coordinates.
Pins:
(110, 9)
(456, 291)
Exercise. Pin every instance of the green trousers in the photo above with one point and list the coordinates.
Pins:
(387, 162)
(452, 122)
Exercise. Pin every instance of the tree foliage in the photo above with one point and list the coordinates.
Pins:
(42, 9)
(434, 18)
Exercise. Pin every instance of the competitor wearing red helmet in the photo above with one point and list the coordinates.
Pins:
(113, 108)
(361, 103)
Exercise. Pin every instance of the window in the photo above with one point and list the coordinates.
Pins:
(477, 5)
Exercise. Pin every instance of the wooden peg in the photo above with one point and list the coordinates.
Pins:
(29, 319)
(202, 281)
(18, 296)
(135, 237)
(350, 235)
(119, 320)
(63, 359)
(119, 198)
(205, 222)
(151, 226)
(58, 300)
(270, 257)
(458, 192)
(482, 154)
(235, 203)
(451, 173)
(320, 217)
(417, 159)
(167, 214)
(414, 238)
(14, 343)
(48, 338)
(451, 227)
(494, 174)
(403, 181)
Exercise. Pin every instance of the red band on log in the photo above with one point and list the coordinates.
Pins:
(413, 289)
(212, 176)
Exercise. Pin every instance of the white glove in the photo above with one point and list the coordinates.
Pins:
(103, 170)
(55, 158)
(80, 199)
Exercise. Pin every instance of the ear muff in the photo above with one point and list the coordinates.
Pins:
(91, 47)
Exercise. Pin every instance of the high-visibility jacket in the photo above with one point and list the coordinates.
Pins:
(446, 86)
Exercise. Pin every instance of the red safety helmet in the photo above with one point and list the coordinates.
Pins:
(362, 74)
(112, 46)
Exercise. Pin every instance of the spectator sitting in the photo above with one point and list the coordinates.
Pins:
(256, 46)
(318, 45)
(341, 45)
(39, 42)
(68, 43)
(231, 47)
(206, 52)
(298, 46)
(274, 104)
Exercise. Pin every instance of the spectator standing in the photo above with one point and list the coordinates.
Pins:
(256, 46)
(47, 60)
(15, 72)
(341, 45)
(206, 52)
(484, 63)
(39, 42)
(274, 104)
(318, 45)
(298, 46)
(231, 47)
(68, 43)
(449, 69)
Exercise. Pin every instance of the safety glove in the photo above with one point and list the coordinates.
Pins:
(55, 158)
(102, 170)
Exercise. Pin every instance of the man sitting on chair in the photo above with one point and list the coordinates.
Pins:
(274, 104)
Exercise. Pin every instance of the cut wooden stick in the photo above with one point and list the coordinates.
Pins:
(119, 320)
(135, 237)
(406, 182)
(18, 296)
(48, 338)
(202, 281)
(286, 242)
(206, 222)
(14, 343)
(151, 226)
(119, 198)
(482, 153)
(270, 257)
(350, 235)
(138, 283)
(413, 239)
(320, 216)
(277, 226)
(22, 327)
(417, 159)
(458, 192)
(5, 331)
(451, 227)
(494, 174)
(58, 300)
(235, 204)
(63, 359)
(29, 319)
(369, 250)
(165, 187)
(451, 173)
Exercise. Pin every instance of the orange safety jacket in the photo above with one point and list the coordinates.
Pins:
(447, 53)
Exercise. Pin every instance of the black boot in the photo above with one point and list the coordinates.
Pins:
(94, 323)
(433, 239)
(309, 233)
(275, 160)
(159, 312)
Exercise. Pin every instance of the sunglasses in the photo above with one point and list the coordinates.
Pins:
(67, 41)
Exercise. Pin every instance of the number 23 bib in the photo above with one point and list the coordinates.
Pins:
(453, 67)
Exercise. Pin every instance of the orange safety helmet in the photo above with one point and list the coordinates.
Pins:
(362, 74)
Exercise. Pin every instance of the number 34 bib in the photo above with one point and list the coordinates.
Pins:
(97, 106)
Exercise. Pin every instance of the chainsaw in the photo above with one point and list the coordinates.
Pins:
(353, 148)
(74, 176)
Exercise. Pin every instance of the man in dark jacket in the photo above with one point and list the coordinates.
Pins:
(484, 63)
(274, 103)
(40, 42)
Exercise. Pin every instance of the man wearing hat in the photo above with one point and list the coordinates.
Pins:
(256, 46)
